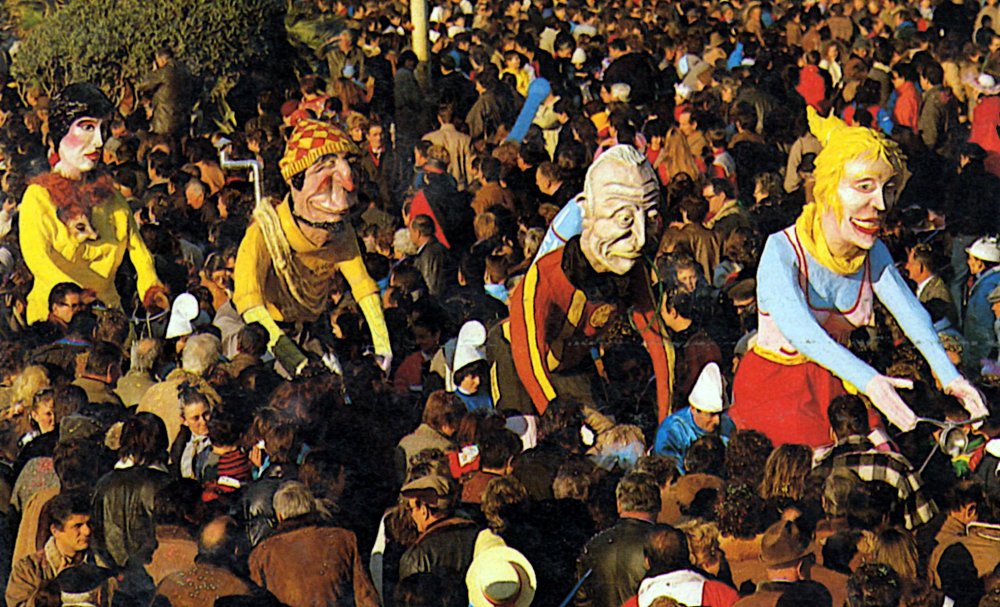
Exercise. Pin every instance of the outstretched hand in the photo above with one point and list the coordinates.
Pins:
(970, 398)
(881, 390)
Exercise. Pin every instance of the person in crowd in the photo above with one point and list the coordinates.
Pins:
(69, 545)
(786, 552)
(124, 498)
(331, 574)
(615, 558)
(214, 573)
(704, 415)
(853, 450)
(445, 542)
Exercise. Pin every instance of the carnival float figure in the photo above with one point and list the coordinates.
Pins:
(291, 251)
(573, 294)
(73, 225)
(816, 283)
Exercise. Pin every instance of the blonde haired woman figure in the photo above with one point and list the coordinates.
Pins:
(817, 282)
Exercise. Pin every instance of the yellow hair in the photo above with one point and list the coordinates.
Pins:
(841, 144)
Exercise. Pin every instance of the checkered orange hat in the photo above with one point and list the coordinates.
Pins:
(311, 140)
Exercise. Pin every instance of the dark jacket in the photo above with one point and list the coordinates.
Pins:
(615, 557)
(411, 105)
(637, 71)
(255, 509)
(123, 514)
(938, 118)
(331, 574)
(444, 548)
(171, 87)
(492, 110)
(435, 266)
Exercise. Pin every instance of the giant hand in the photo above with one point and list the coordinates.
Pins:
(882, 392)
(971, 399)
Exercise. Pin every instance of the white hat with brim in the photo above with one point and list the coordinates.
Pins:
(184, 310)
(501, 576)
(709, 392)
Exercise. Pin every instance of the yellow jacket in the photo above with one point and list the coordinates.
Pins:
(262, 295)
(54, 256)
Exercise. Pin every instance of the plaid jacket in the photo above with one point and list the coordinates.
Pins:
(857, 453)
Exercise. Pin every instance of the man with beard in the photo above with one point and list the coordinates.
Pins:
(289, 255)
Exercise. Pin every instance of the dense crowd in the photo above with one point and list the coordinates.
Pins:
(161, 445)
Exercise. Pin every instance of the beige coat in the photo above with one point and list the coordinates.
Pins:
(459, 146)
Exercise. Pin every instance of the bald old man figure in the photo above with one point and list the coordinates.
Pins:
(571, 295)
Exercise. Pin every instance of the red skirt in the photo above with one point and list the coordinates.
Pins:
(786, 402)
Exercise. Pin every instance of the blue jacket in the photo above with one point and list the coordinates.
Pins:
(978, 321)
(678, 431)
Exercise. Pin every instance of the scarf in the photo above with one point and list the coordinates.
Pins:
(809, 229)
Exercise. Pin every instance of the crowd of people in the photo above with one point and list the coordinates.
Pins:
(472, 336)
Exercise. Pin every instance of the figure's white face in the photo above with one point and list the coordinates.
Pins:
(80, 150)
(867, 191)
(614, 224)
(327, 192)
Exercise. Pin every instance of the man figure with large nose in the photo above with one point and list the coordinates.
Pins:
(292, 250)
(571, 295)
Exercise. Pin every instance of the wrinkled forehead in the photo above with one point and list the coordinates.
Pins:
(614, 183)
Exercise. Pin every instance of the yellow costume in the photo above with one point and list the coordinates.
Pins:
(299, 291)
(53, 255)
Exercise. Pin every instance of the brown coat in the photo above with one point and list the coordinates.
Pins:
(492, 194)
(304, 564)
(459, 146)
(198, 586)
(34, 570)
(744, 559)
(682, 493)
(175, 552)
(984, 552)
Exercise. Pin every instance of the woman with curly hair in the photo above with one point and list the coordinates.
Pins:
(746, 456)
(742, 518)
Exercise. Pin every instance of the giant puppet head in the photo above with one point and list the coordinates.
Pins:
(857, 176)
(317, 166)
(77, 115)
(620, 193)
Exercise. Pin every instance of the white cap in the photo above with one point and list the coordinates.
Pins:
(437, 15)
(709, 392)
(986, 248)
(184, 310)
(469, 348)
(579, 57)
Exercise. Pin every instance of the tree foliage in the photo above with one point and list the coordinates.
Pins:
(108, 41)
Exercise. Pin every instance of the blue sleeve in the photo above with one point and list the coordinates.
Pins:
(884, 121)
(668, 442)
(779, 294)
(892, 290)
